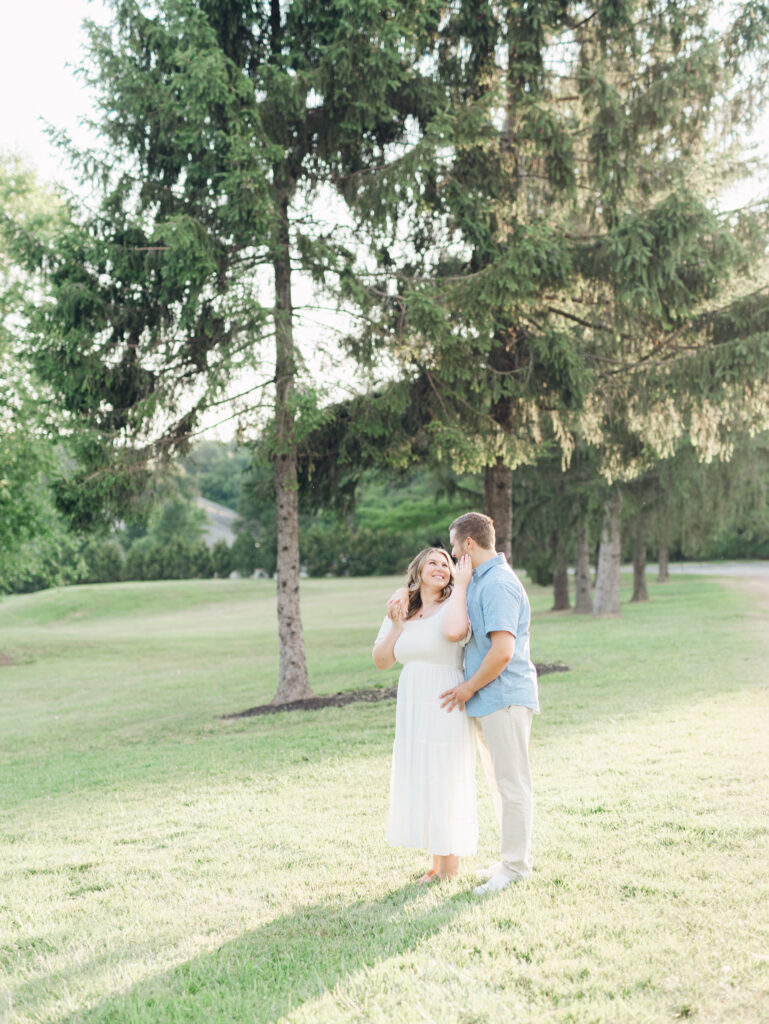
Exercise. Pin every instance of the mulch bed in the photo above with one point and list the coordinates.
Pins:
(338, 700)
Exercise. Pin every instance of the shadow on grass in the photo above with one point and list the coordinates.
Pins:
(263, 974)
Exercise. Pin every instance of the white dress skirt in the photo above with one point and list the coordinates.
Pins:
(432, 782)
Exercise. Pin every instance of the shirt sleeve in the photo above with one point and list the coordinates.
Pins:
(501, 607)
(384, 629)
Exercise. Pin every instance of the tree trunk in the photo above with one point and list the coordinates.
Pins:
(560, 573)
(498, 503)
(583, 597)
(640, 592)
(293, 681)
(663, 558)
(607, 580)
(597, 558)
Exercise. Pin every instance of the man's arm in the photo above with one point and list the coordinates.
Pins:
(492, 666)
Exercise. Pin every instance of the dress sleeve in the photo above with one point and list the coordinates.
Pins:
(384, 629)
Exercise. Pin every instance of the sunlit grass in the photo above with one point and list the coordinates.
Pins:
(161, 864)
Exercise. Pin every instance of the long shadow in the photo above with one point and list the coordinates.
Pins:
(263, 974)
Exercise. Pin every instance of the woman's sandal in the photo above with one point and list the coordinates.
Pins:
(427, 877)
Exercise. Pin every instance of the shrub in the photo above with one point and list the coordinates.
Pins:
(244, 555)
(104, 561)
(221, 559)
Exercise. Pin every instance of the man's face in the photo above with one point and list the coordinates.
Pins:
(457, 548)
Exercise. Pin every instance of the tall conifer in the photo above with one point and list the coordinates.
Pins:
(219, 120)
(565, 259)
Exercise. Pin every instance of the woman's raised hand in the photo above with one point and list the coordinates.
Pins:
(463, 571)
(398, 605)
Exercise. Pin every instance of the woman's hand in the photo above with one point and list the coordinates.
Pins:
(398, 605)
(384, 650)
(463, 571)
(398, 616)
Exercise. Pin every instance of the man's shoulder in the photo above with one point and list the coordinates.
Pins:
(502, 575)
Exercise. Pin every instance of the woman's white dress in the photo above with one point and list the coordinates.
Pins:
(432, 782)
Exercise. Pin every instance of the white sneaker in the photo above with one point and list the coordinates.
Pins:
(493, 869)
(495, 884)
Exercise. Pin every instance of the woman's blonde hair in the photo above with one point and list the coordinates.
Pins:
(414, 574)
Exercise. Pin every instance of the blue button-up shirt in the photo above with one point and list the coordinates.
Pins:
(496, 600)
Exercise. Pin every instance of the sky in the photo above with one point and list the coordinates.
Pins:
(41, 43)
(39, 39)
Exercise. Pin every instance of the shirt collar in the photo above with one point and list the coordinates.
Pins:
(499, 559)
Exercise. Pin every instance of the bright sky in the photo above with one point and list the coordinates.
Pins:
(39, 39)
(40, 45)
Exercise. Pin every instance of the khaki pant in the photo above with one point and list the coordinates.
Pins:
(503, 739)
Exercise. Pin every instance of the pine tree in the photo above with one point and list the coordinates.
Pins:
(220, 121)
(564, 258)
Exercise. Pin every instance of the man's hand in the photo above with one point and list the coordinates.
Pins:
(398, 605)
(457, 697)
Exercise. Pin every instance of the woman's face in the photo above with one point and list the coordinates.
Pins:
(435, 571)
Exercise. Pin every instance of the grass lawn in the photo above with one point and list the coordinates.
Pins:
(161, 864)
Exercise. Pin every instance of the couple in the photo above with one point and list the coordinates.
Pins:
(482, 611)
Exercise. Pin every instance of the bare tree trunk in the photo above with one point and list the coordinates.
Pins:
(560, 573)
(607, 579)
(293, 681)
(640, 591)
(597, 557)
(583, 597)
(498, 478)
(663, 559)
(498, 503)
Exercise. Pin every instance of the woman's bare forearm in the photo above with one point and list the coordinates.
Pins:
(455, 620)
(384, 652)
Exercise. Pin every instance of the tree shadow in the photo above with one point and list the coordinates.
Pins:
(263, 974)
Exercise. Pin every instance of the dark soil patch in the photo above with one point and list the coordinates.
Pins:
(5, 659)
(338, 700)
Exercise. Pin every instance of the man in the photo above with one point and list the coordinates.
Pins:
(499, 692)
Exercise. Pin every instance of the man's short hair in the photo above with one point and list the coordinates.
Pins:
(475, 525)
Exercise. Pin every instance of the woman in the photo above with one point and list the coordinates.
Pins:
(432, 783)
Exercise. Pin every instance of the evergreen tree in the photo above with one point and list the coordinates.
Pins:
(564, 255)
(104, 561)
(221, 559)
(690, 507)
(220, 121)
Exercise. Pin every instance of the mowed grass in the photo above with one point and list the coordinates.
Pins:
(162, 864)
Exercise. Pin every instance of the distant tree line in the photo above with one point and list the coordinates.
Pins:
(680, 510)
